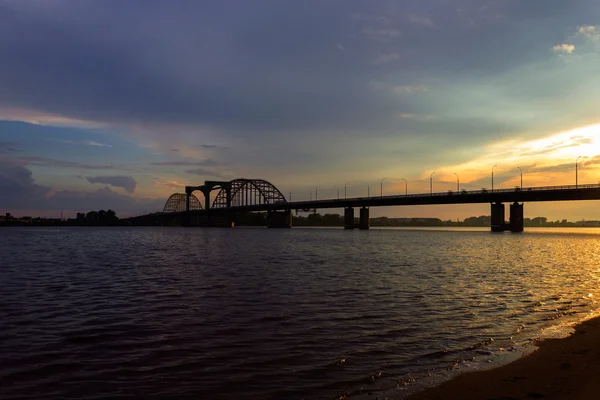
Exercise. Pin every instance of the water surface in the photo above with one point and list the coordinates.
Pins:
(250, 313)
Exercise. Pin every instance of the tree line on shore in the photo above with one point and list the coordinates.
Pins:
(110, 218)
(91, 218)
(316, 219)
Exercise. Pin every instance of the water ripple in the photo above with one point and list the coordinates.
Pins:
(255, 313)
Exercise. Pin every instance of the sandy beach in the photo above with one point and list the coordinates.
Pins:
(567, 368)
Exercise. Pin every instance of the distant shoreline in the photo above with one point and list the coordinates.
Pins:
(124, 225)
(109, 218)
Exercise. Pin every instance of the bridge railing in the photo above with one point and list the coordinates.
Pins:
(511, 190)
(473, 192)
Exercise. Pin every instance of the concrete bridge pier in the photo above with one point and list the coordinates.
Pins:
(349, 218)
(498, 217)
(279, 219)
(515, 223)
(516, 217)
(365, 222)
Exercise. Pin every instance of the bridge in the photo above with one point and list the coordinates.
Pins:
(256, 195)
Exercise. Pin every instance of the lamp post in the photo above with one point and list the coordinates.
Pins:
(577, 173)
(317, 193)
(346, 184)
(431, 183)
(338, 192)
(405, 187)
(493, 177)
(368, 189)
(521, 176)
(457, 183)
(381, 185)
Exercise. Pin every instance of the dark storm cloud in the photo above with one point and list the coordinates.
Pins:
(265, 68)
(125, 182)
(102, 199)
(17, 187)
(18, 191)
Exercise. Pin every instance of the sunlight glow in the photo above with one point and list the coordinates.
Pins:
(546, 161)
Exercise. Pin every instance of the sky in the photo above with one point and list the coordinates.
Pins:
(118, 104)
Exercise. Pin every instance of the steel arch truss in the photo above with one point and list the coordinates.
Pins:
(176, 203)
(247, 192)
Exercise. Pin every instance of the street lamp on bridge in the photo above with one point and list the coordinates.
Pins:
(457, 183)
(345, 185)
(493, 177)
(577, 173)
(368, 189)
(317, 193)
(338, 191)
(431, 183)
(521, 176)
(405, 187)
(381, 184)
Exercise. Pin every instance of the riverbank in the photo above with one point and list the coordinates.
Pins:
(565, 368)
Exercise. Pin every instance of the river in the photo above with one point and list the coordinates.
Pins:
(252, 313)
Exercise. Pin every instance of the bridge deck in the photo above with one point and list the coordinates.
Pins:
(531, 194)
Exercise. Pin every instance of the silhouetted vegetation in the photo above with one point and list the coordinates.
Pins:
(92, 218)
(98, 218)
(110, 218)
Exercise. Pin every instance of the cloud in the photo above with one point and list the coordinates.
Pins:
(244, 82)
(85, 143)
(203, 172)
(423, 21)
(383, 34)
(386, 58)
(104, 198)
(170, 184)
(592, 161)
(266, 86)
(398, 89)
(37, 117)
(589, 32)
(409, 89)
(18, 191)
(575, 141)
(53, 163)
(185, 163)
(341, 48)
(17, 187)
(370, 18)
(212, 146)
(9, 147)
(564, 48)
(125, 182)
(417, 117)
(564, 167)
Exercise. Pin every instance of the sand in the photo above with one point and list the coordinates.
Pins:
(567, 368)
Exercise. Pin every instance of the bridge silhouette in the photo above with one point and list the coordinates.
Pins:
(256, 195)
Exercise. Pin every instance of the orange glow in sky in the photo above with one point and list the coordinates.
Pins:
(546, 161)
